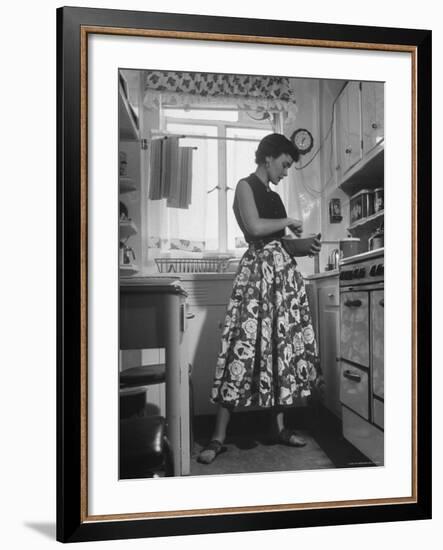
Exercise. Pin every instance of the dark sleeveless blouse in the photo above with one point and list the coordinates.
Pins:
(269, 206)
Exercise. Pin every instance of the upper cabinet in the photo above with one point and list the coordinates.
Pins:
(359, 136)
(348, 128)
(127, 118)
(372, 110)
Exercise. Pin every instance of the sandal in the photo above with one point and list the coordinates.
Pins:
(209, 453)
(290, 438)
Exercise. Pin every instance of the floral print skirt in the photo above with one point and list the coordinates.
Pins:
(268, 353)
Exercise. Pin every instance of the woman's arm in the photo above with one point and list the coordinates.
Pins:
(256, 226)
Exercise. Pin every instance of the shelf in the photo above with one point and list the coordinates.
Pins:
(128, 270)
(373, 220)
(126, 118)
(127, 228)
(126, 185)
(366, 174)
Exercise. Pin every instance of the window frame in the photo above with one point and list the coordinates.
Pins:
(223, 186)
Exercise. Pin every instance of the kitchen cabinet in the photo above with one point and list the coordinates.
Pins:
(348, 128)
(359, 136)
(329, 329)
(127, 119)
(128, 132)
(208, 296)
(372, 108)
(378, 374)
(325, 305)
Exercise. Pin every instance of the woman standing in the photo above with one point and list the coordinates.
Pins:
(268, 351)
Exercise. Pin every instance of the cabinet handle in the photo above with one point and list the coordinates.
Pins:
(374, 125)
(217, 187)
(382, 302)
(353, 303)
(348, 150)
(330, 295)
(190, 315)
(352, 376)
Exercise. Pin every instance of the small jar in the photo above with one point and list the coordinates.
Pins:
(379, 200)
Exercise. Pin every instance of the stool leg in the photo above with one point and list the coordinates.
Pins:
(169, 460)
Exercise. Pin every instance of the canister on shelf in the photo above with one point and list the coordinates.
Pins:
(349, 247)
(379, 200)
(361, 205)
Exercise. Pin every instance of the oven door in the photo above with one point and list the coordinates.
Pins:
(354, 338)
(377, 337)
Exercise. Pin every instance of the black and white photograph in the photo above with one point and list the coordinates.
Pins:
(251, 272)
(222, 328)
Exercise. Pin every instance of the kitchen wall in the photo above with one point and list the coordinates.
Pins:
(328, 92)
(303, 198)
(311, 188)
(306, 191)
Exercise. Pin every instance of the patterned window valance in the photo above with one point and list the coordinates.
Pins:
(246, 92)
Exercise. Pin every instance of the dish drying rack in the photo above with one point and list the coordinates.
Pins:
(191, 265)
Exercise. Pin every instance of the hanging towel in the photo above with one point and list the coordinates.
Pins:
(186, 177)
(155, 186)
(180, 191)
(170, 167)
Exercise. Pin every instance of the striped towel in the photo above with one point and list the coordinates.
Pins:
(155, 185)
(180, 193)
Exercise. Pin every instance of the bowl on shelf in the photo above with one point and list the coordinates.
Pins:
(299, 246)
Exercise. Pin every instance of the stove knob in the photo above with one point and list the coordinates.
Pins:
(355, 273)
(372, 270)
(362, 273)
(380, 270)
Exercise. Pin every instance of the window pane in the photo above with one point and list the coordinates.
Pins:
(240, 164)
(202, 114)
(200, 221)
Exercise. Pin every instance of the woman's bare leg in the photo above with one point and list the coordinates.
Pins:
(221, 423)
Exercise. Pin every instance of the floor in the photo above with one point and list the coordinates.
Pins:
(250, 448)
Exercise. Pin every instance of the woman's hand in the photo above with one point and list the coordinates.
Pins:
(296, 226)
(316, 246)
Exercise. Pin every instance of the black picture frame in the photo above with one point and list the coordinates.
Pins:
(73, 24)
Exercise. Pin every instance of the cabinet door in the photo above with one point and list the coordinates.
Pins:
(354, 310)
(203, 342)
(348, 128)
(372, 95)
(377, 331)
(329, 336)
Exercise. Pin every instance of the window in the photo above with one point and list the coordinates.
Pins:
(225, 144)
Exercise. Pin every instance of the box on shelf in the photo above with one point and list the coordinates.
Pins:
(361, 205)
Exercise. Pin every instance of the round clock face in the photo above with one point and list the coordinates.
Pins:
(303, 140)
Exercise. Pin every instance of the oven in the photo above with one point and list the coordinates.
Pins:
(362, 352)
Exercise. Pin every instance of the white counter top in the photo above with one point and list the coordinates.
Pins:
(322, 275)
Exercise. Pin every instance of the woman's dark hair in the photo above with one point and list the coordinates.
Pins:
(274, 145)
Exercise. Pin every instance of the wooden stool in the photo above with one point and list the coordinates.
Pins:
(144, 447)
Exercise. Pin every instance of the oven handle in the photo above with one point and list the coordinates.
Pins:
(355, 377)
(353, 303)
